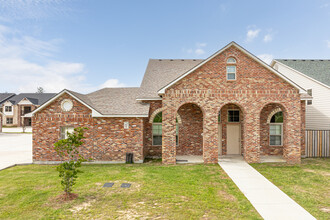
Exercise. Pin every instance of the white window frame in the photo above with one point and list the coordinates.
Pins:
(230, 61)
(231, 72)
(63, 134)
(239, 116)
(152, 133)
(281, 124)
(11, 108)
(12, 121)
(309, 102)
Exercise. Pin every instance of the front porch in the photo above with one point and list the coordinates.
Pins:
(199, 159)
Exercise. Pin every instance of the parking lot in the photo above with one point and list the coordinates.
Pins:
(15, 149)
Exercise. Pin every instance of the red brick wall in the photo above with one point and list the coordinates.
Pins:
(255, 87)
(106, 139)
(149, 149)
(303, 127)
(190, 131)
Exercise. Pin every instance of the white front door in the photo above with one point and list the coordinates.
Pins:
(233, 139)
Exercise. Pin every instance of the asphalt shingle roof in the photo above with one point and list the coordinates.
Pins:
(115, 101)
(160, 72)
(316, 69)
(35, 98)
(5, 96)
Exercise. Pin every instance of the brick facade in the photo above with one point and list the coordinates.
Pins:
(254, 88)
(106, 138)
(195, 102)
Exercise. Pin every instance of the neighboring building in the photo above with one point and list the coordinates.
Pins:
(4, 97)
(314, 77)
(229, 103)
(16, 108)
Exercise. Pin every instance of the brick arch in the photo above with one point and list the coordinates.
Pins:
(232, 103)
(195, 103)
(153, 115)
(276, 110)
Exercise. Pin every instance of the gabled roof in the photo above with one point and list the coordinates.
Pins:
(316, 69)
(34, 98)
(5, 96)
(161, 72)
(301, 90)
(108, 102)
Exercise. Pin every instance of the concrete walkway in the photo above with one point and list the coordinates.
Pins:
(267, 199)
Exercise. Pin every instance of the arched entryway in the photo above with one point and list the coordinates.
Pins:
(272, 130)
(190, 131)
(230, 130)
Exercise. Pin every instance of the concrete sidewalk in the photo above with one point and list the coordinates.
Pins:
(267, 199)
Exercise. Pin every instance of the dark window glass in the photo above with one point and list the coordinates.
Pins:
(233, 116)
(277, 118)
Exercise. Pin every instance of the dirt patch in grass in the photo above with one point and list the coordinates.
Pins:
(65, 197)
(225, 195)
(82, 206)
(325, 209)
(323, 173)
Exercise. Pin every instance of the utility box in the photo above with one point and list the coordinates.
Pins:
(129, 158)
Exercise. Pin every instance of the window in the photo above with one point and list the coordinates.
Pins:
(231, 60)
(309, 92)
(8, 108)
(276, 129)
(9, 121)
(65, 131)
(231, 72)
(157, 130)
(233, 115)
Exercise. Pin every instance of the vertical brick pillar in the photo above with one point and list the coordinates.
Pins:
(252, 136)
(292, 138)
(303, 127)
(210, 137)
(169, 133)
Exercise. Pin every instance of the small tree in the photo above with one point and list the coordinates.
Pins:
(69, 149)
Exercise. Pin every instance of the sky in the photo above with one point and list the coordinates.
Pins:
(86, 45)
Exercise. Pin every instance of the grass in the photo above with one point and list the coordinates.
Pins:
(308, 183)
(157, 192)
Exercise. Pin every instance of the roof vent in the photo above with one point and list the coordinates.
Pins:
(182, 60)
(160, 60)
(312, 60)
(171, 59)
(194, 60)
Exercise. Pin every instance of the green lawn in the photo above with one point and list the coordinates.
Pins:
(157, 192)
(308, 184)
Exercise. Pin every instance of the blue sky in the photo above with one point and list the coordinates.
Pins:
(85, 45)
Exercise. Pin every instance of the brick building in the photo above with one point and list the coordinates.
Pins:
(229, 103)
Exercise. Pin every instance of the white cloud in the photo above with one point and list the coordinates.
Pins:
(267, 58)
(111, 83)
(328, 43)
(268, 38)
(199, 51)
(325, 5)
(27, 63)
(252, 34)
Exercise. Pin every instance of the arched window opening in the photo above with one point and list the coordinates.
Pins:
(157, 130)
(231, 60)
(276, 129)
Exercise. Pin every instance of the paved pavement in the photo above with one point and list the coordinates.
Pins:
(16, 129)
(15, 149)
(268, 200)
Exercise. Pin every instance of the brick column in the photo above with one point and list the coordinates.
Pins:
(210, 137)
(252, 136)
(292, 138)
(169, 134)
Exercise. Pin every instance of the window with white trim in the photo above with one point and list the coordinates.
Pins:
(231, 72)
(309, 92)
(65, 130)
(157, 130)
(231, 60)
(8, 108)
(276, 130)
(9, 121)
